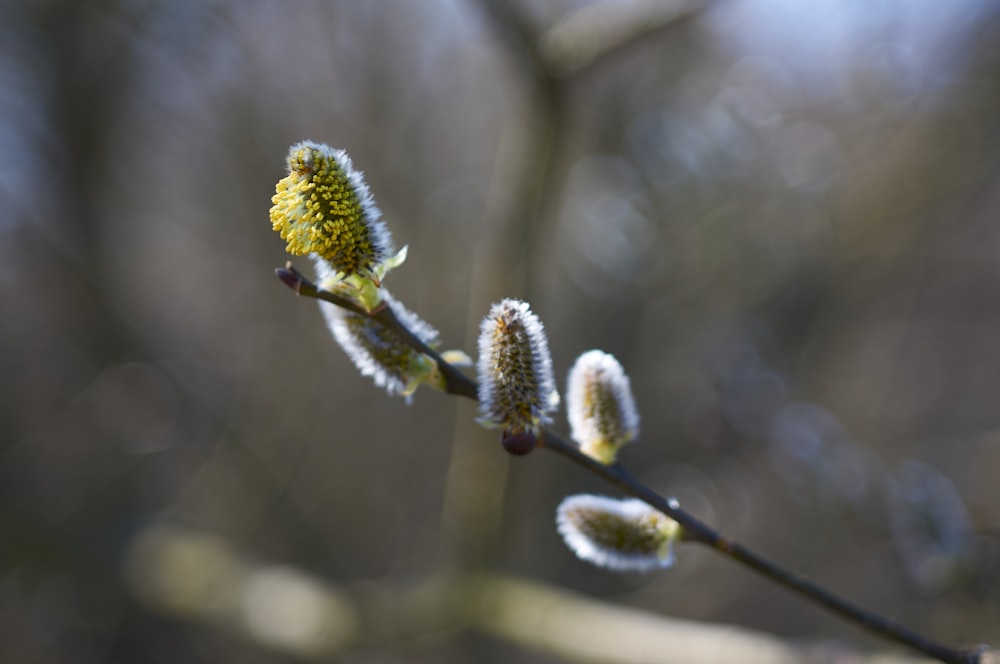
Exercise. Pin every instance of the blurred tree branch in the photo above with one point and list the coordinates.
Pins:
(203, 578)
(597, 32)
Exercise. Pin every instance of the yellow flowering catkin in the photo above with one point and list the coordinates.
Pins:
(324, 208)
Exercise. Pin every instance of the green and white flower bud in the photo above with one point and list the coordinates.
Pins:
(516, 387)
(624, 535)
(378, 352)
(600, 406)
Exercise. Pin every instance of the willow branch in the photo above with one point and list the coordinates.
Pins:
(695, 530)
(455, 381)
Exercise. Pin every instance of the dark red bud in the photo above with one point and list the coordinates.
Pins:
(288, 278)
(519, 443)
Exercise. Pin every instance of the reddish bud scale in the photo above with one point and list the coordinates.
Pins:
(520, 443)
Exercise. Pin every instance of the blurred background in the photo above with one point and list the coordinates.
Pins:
(783, 218)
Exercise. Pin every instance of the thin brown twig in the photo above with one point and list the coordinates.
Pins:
(695, 530)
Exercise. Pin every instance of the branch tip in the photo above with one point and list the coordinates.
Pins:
(289, 278)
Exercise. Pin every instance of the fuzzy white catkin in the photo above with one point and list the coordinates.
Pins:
(374, 350)
(622, 535)
(516, 387)
(600, 406)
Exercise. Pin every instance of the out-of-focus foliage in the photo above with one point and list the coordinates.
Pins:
(783, 218)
